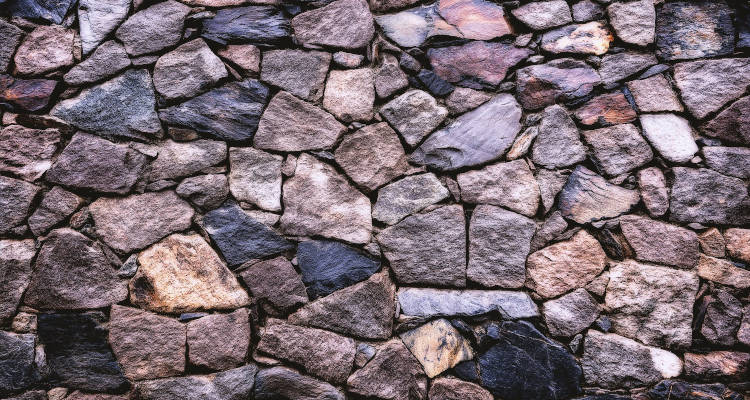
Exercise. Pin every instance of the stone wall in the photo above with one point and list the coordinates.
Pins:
(330, 199)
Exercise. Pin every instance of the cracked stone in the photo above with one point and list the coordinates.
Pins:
(616, 67)
(438, 346)
(26, 94)
(57, 205)
(350, 94)
(732, 161)
(408, 196)
(16, 197)
(723, 272)
(558, 80)
(676, 246)
(606, 109)
(571, 313)
(429, 302)
(707, 85)
(654, 193)
(11, 35)
(722, 319)
(509, 184)
(15, 268)
(394, 373)
(204, 191)
(108, 60)
(389, 78)
(558, 143)
(587, 198)
(260, 25)
(732, 124)
(476, 63)
(276, 285)
(738, 243)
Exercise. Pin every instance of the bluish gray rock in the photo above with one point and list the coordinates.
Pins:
(253, 24)
(328, 266)
(53, 11)
(708, 197)
(285, 383)
(17, 369)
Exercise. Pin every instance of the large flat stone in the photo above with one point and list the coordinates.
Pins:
(16, 197)
(345, 24)
(428, 302)
(671, 135)
(676, 246)
(414, 115)
(219, 341)
(558, 143)
(350, 94)
(301, 73)
(108, 60)
(27, 152)
(707, 85)
(234, 384)
(687, 30)
(704, 196)
(732, 161)
(510, 185)
(634, 22)
(154, 28)
(187, 71)
(97, 19)
(177, 159)
(476, 63)
(266, 25)
(587, 197)
(618, 149)
(45, 49)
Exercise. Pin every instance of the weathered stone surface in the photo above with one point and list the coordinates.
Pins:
(244, 56)
(427, 79)
(652, 304)
(738, 243)
(255, 177)
(27, 152)
(414, 114)
(544, 369)
(571, 313)
(732, 124)
(321, 353)
(612, 361)
(558, 80)
(707, 85)
(15, 269)
(676, 246)
(393, 373)
(407, 196)
(182, 274)
(350, 94)
(389, 78)
(97, 19)
(328, 266)
(319, 201)
(447, 388)
(219, 341)
(36, 9)
(350, 60)
(275, 284)
(687, 30)
(618, 149)
(107, 60)
(301, 73)
(653, 188)
(230, 112)
(733, 365)
(677, 390)
(474, 138)
(732, 161)
(616, 67)
(266, 25)
(16, 197)
(372, 156)
(241, 238)
(362, 310)
(71, 272)
(78, 354)
(428, 302)
(587, 10)
(712, 243)
(17, 362)
(704, 196)
(476, 63)
(654, 94)
(178, 159)
(122, 107)
(589, 38)
(499, 242)
(187, 71)
(47, 48)
(134, 222)
(587, 197)
(558, 143)
(146, 345)
(606, 109)
(634, 22)
(671, 135)
(204, 191)
(285, 383)
(722, 319)
(343, 24)
(543, 15)
(428, 248)
(465, 99)
(565, 266)
(743, 333)
(234, 384)
(26, 94)
(438, 346)
(11, 35)
(154, 28)
(552, 227)
(56, 205)
(290, 124)
(551, 183)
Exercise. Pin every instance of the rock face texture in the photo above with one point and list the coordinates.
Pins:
(374, 199)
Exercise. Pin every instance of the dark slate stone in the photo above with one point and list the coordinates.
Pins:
(17, 370)
(25, 94)
(694, 29)
(50, 10)
(78, 354)
(241, 238)
(431, 82)
(467, 370)
(743, 25)
(253, 24)
(328, 266)
(525, 364)
(677, 390)
(230, 112)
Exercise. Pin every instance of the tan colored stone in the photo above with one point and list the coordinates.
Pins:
(438, 346)
(350, 94)
(738, 243)
(723, 272)
(510, 185)
(712, 243)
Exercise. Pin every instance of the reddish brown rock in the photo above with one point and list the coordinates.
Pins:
(476, 62)
(146, 345)
(653, 187)
(731, 365)
(447, 388)
(46, 48)
(27, 152)
(589, 38)
(219, 341)
(676, 246)
(26, 94)
(393, 373)
(738, 243)
(723, 272)
(732, 124)
(276, 285)
(607, 109)
(563, 79)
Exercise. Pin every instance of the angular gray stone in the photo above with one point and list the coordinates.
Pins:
(291, 124)
(11, 35)
(285, 383)
(587, 10)
(558, 143)
(428, 248)
(27, 152)
(687, 30)
(17, 356)
(652, 304)
(653, 187)
(219, 341)
(234, 384)
(89, 162)
(671, 135)
(542, 15)
(15, 270)
(616, 67)
(255, 177)
(732, 161)
(587, 197)
(464, 99)
(389, 78)
(393, 373)
(97, 19)
(350, 94)
(722, 319)
(429, 302)
(345, 24)
(618, 149)
(154, 28)
(707, 85)
(134, 222)
(56, 205)
(634, 22)
(558, 80)
(105, 62)
(301, 73)
(276, 285)
(16, 197)
(474, 138)
(187, 71)
(676, 246)
(499, 242)
(121, 107)
(408, 196)
(552, 227)
(510, 184)
(571, 313)
(414, 115)
(204, 191)
(654, 94)
(732, 124)
(71, 272)
(708, 197)
(178, 159)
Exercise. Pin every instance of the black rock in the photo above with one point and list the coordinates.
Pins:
(430, 81)
(694, 29)
(525, 364)
(610, 243)
(743, 25)
(467, 370)
(50, 10)
(17, 369)
(328, 266)
(241, 238)
(253, 24)
(605, 397)
(78, 354)
(677, 390)
(230, 112)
